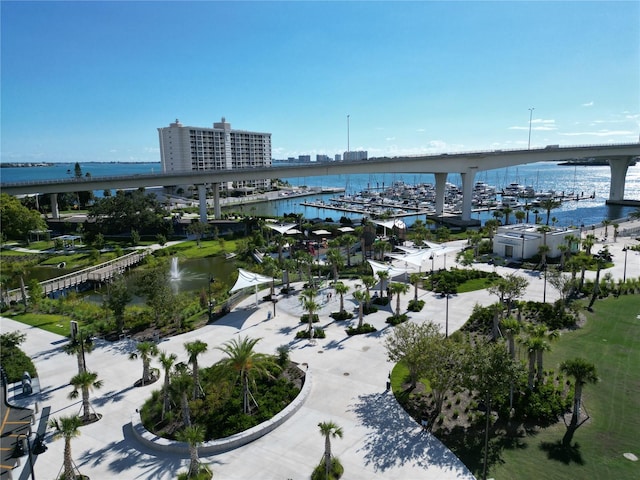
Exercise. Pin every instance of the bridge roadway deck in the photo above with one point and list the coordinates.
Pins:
(350, 373)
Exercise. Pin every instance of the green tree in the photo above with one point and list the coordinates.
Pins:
(79, 346)
(549, 204)
(398, 289)
(181, 385)
(408, 342)
(194, 349)
(153, 285)
(35, 293)
(145, 351)
(17, 220)
(309, 305)
(193, 435)
(329, 430)
(248, 363)
(361, 297)
(117, 299)
(583, 373)
(415, 279)
(336, 260)
(167, 361)
(67, 428)
(508, 289)
(601, 259)
(341, 289)
(383, 276)
(199, 229)
(83, 383)
(347, 241)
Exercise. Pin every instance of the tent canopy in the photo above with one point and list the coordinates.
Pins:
(248, 279)
(384, 267)
(281, 227)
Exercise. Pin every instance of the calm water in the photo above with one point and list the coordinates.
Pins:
(542, 176)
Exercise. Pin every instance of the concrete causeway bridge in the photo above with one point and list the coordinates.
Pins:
(467, 164)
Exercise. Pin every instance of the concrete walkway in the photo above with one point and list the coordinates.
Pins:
(349, 379)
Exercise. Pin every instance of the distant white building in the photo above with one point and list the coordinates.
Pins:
(521, 241)
(359, 155)
(184, 148)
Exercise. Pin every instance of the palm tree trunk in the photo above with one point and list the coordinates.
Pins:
(577, 402)
(86, 407)
(539, 361)
(68, 461)
(360, 314)
(512, 345)
(194, 465)
(186, 414)
(327, 454)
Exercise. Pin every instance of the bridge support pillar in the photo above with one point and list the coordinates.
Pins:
(619, 167)
(468, 180)
(55, 213)
(202, 198)
(441, 181)
(217, 211)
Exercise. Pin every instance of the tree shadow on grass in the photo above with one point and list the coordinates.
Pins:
(566, 454)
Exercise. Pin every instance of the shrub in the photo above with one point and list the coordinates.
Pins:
(397, 319)
(336, 471)
(365, 328)
(305, 318)
(381, 301)
(318, 332)
(415, 306)
(344, 315)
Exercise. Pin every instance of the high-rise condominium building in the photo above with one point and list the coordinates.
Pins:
(185, 149)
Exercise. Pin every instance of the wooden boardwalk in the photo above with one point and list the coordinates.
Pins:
(95, 274)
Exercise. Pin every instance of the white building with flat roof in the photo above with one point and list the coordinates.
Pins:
(522, 240)
(184, 148)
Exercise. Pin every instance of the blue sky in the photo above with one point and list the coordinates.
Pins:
(92, 81)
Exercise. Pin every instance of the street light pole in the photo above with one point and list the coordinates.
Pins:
(544, 291)
(530, 119)
(624, 273)
(446, 323)
(211, 280)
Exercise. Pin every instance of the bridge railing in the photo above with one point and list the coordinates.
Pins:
(73, 279)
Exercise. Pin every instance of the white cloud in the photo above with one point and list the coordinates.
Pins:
(421, 130)
(390, 139)
(588, 104)
(599, 133)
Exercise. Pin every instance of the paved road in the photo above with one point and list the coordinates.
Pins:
(350, 373)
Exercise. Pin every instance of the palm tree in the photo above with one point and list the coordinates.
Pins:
(248, 363)
(167, 361)
(194, 349)
(146, 351)
(602, 258)
(549, 204)
(583, 373)
(383, 275)
(67, 428)
(181, 384)
(380, 247)
(341, 289)
(361, 297)
(309, 305)
(79, 347)
(511, 327)
(328, 430)
(520, 215)
(415, 278)
(398, 288)
(84, 382)
(336, 260)
(193, 435)
(369, 282)
(347, 241)
(507, 213)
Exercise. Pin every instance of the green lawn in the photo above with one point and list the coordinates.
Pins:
(52, 323)
(610, 340)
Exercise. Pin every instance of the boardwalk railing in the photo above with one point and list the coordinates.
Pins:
(97, 273)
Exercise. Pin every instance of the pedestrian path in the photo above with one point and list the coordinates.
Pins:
(349, 387)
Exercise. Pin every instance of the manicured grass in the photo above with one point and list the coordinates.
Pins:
(52, 323)
(475, 284)
(207, 248)
(611, 341)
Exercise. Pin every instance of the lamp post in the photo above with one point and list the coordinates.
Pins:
(544, 291)
(211, 281)
(624, 273)
(23, 437)
(446, 322)
(432, 258)
(530, 119)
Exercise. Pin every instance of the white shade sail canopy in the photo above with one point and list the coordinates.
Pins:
(385, 267)
(281, 227)
(248, 279)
